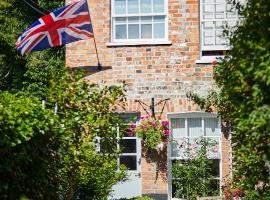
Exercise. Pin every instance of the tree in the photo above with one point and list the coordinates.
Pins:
(243, 98)
(31, 73)
(44, 155)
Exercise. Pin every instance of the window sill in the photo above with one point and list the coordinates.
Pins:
(208, 59)
(139, 43)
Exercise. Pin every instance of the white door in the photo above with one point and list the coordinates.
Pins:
(131, 158)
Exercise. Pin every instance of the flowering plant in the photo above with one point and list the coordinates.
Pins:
(154, 132)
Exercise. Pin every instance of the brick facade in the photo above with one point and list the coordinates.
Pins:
(159, 71)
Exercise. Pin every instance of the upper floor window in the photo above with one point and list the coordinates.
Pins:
(214, 16)
(141, 20)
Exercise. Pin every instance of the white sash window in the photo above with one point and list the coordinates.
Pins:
(139, 20)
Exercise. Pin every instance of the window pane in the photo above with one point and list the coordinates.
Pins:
(178, 128)
(208, 11)
(120, 20)
(128, 145)
(220, 10)
(133, 20)
(159, 19)
(146, 6)
(210, 126)
(208, 34)
(121, 32)
(220, 40)
(146, 19)
(133, 31)
(129, 161)
(215, 168)
(120, 6)
(194, 127)
(158, 6)
(214, 151)
(133, 6)
(159, 30)
(146, 31)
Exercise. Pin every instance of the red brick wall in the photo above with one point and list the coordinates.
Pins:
(161, 71)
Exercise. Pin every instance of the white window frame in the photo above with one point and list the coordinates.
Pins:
(187, 115)
(210, 58)
(152, 41)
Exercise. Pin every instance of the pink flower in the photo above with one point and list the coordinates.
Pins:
(166, 132)
(214, 62)
(160, 146)
(129, 132)
(165, 140)
(194, 145)
(215, 149)
(144, 127)
(142, 117)
(193, 153)
(165, 123)
(182, 142)
(133, 126)
(154, 125)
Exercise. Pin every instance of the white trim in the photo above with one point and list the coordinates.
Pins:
(214, 20)
(119, 42)
(187, 115)
(191, 115)
(208, 59)
(128, 42)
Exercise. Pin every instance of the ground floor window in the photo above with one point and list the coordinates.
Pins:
(194, 155)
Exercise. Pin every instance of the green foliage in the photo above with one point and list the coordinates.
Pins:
(48, 156)
(243, 78)
(31, 73)
(193, 176)
(153, 132)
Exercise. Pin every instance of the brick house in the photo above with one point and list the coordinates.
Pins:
(162, 49)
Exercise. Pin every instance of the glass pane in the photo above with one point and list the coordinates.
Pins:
(208, 11)
(178, 147)
(133, 31)
(146, 31)
(215, 168)
(146, 6)
(128, 145)
(195, 127)
(129, 161)
(159, 30)
(210, 126)
(120, 7)
(133, 6)
(220, 40)
(120, 20)
(133, 20)
(158, 6)
(159, 19)
(178, 128)
(214, 151)
(220, 10)
(121, 31)
(146, 19)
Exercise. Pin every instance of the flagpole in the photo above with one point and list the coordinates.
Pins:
(99, 65)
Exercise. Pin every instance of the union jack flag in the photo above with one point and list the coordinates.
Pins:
(65, 25)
